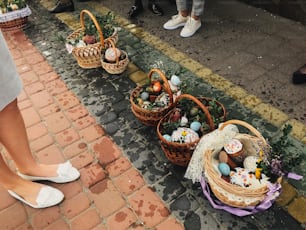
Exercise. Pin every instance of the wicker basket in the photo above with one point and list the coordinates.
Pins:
(181, 153)
(228, 193)
(90, 56)
(15, 20)
(119, 66)
(151, 117)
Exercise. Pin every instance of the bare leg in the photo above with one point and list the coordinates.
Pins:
(10, 181)
(14, 138)
(184, 13)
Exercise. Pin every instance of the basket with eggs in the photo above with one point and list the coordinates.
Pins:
(89, 41)
(181, 129)
(152, 101)
(114, 60)
(231, 165)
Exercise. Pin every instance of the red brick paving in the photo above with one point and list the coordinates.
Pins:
(110, 194)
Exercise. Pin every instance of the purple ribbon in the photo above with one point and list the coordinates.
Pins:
(263, 205)
(294, 176)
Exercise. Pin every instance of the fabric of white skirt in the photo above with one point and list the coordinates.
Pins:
(10, 82)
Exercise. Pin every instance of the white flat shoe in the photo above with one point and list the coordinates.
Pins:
(65, 171)
(47, 197)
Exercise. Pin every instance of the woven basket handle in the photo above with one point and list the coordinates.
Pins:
(113, 46)
(165, 80)
(246, 125)
(203, 108)
(93, 18)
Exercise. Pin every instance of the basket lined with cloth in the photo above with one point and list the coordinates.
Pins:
(88, 55)
(242, 191)
(150, 103)
(16, 19)
(181, 129)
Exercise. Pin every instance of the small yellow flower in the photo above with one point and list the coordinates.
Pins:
(259, 160)
(184, 133)
(258, 173)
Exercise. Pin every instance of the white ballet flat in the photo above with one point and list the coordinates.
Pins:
(47, 197)
(65, 173)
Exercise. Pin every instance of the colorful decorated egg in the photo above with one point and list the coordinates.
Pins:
(111, 54)
(224, 169)
(167, 137)
(175, 80)
(194, 111)
(157, 87)
(144, 96)
(195, 125)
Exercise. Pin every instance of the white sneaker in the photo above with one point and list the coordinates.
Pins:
(175, 22)
(190, 27)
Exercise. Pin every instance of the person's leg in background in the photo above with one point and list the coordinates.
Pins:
(299, 76)
(188, 16)
(155, 8)
(193, 23)
(180, 19)
(137, 8)
(63, 6)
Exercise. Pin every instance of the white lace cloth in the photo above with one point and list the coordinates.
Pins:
(214, 140)
(9, 16)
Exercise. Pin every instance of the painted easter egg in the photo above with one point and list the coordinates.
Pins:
(111, 54)
(195, 126)
(175, 80)
(194, 111)
(167, 137)
(224, 169)
(144, 96)
(157, 87)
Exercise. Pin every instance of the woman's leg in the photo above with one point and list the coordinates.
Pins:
(193, 23)
(197, 9)
(182, 7)
(10, 181)
(14, 138)
(180, 19)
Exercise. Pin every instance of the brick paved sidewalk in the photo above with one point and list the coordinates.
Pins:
(111, 194)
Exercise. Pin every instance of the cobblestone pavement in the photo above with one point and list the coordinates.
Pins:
(84, 115)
